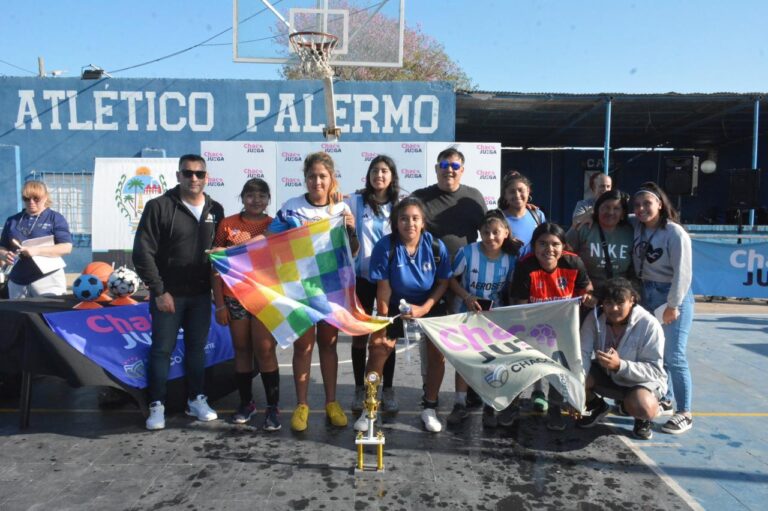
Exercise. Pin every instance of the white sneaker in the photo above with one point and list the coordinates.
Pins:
(199, 409)
(361, 424)
(430, 420)
(156, 419)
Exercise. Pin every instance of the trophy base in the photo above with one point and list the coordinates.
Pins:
(368, 470)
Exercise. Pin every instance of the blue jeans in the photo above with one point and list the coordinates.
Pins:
(193, 313)
(675, 342)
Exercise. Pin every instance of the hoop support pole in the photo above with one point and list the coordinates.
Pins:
(331, 132)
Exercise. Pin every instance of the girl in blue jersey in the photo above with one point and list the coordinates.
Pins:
(371, 208)
(409, 264)
(482, 273)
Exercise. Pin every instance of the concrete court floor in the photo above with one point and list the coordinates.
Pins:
(75, 456)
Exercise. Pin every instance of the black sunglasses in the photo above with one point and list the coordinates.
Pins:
(199, 174)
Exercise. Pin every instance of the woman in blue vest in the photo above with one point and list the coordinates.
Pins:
(371, 208)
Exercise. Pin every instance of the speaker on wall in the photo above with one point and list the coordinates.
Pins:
(681, 175)
(744, 189)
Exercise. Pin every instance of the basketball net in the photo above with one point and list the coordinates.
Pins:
(314, 50)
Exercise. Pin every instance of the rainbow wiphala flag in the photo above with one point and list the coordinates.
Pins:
(294, 279)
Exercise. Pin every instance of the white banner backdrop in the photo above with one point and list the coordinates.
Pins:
(121, 188)
(231, 164)
(280, 164)
(482, 166)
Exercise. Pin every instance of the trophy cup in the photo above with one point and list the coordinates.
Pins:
(370, 405)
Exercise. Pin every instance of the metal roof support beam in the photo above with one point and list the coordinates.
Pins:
(755, 128)
(607, 144)
(576, 120)
(703, 120)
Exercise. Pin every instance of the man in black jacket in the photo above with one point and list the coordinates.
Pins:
(169, 253)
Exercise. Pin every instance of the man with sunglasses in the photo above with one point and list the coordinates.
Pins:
(169, 252)
(455, 213)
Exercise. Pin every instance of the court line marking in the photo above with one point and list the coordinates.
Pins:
(673, 485)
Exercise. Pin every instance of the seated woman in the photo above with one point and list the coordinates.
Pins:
(628, 345)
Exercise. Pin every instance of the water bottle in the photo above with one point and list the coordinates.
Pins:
(411, 330)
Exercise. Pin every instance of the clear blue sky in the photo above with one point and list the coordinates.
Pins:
(504, 45)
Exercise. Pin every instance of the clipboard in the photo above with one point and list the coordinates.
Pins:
(44, 264)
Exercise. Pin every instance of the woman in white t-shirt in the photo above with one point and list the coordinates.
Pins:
(371, 208)
(317, 204)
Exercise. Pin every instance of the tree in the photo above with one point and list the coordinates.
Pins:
(424, 58)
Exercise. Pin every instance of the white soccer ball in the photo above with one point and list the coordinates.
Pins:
(123, 282)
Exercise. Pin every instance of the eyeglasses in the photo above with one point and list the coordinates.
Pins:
(33, 199)
(453, 164)
(199, 174)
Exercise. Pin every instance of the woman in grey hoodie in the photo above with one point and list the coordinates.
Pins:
(628, 345)
(662, 259)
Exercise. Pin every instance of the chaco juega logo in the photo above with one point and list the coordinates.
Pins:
(133, 192)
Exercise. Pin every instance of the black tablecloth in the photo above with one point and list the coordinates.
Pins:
(29, 346)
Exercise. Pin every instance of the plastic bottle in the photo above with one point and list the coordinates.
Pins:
(411, 330)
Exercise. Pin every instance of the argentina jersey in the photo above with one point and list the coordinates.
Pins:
(483, 277)
(370, 229)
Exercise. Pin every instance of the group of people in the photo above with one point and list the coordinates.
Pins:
(423, 249)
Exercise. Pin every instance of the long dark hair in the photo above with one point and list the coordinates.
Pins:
(393, 190)
(498, 216)
(668, 213)
(549, 228)
(617, 290)
(400, 206)
(618, 195)
(509, 178)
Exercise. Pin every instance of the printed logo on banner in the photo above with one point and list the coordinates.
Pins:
(214, 181)
(291, 182)
(133, 192)
(134, 368)
(486, 149)
(368, 156)
(213, 156)
(251, 173)
(410, 173)
(412, 148)
(754, 262)
(496, 376)
(490, 201)
(331, 148)
(289, 156)
(253, 148)
(486, 175)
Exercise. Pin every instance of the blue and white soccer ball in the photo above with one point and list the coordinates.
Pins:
(87, 287)
(123, 282)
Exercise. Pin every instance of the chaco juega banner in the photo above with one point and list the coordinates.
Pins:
(498, 364)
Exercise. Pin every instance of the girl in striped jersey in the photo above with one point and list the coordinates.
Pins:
(371, 208)
(483, 271)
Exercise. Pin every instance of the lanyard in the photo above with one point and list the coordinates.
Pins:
(604, 244)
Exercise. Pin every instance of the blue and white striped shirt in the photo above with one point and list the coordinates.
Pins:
(370, 229)
(481, 276)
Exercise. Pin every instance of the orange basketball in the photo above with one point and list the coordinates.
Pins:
(101, 270)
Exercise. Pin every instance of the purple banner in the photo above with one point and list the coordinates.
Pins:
(118, 340)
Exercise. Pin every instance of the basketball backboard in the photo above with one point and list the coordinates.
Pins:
(370, 32)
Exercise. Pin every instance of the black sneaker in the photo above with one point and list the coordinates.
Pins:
(597, 409)
(643, 429)
(473, 400)
(666, 408)
(508, 415)
(489, 417)
(679, 423)
(272, 419)
(457, 415)
(244, 413)
(556, 421)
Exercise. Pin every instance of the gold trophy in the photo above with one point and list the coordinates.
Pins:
(370, 405)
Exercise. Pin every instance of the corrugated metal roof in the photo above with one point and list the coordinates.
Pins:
(700, 120)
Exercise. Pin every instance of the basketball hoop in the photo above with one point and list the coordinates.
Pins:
(314, 50)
